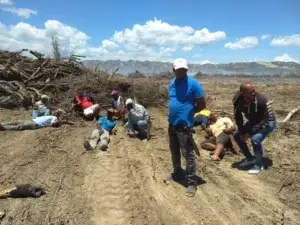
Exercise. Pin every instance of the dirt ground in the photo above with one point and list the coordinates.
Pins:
(125, 185)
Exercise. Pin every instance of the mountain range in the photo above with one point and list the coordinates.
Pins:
(153, 67)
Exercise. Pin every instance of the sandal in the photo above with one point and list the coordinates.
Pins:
(191, 191)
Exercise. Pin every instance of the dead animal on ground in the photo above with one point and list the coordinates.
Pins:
(23, 191)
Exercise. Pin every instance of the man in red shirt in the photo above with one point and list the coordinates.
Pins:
(89, 109)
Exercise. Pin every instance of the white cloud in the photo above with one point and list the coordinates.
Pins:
(285, 58)
(243, 43)
(205, 62)
(155, 40)
(22, 12)
(265, 36)
(293, 40)
(109, 44)
(187, 48)
(6, 2)
(156, 32)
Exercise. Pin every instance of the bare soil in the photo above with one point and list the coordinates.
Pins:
(126, 184)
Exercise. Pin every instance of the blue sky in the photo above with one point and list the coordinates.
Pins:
(228, 31)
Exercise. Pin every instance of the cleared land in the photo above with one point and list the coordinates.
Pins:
(125, 185)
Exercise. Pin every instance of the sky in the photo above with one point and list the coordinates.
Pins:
(202, 31)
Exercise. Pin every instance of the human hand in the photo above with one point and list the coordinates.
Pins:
(208, 131)
(227, 131)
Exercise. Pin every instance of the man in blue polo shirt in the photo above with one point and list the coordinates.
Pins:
(186, 97)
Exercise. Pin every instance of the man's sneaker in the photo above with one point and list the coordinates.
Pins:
(191, 191)
(256, 169)
(246, 162)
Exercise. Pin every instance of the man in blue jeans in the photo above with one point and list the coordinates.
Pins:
(186, 97)
(261, 122)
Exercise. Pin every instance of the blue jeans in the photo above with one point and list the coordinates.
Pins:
(141, 125)
(36, 113)
(256, 141)
(200, 120)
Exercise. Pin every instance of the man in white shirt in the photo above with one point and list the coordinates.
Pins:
(138, 119)
(218, 131)
(39, 122)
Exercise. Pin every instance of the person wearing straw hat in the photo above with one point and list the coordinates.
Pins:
(186, 98)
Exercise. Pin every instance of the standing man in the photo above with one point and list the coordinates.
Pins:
(261, 122)
(186, 98)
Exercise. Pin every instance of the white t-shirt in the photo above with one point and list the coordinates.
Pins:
(118, 104)
(222, 123)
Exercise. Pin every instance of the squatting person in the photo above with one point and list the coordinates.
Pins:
(261, 122)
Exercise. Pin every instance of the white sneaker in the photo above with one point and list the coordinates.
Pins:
(255, 169)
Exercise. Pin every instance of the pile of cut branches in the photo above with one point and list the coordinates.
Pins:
(23, 80)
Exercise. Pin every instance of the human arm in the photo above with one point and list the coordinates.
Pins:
(130, 124)
(266, 107)
(199, 98)
(230, 127)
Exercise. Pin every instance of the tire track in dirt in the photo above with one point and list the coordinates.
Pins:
(126, 185)
(107, 185)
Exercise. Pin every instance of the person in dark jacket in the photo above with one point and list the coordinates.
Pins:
(261, 122)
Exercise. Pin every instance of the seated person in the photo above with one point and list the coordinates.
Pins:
(39, 122)
(218, 131)
(100, 136)
(90, 110)
(202, 118)
(42, 107)
(138, 119)
(118, 104)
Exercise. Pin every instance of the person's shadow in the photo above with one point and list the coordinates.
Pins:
(184, 182)
(267, 162)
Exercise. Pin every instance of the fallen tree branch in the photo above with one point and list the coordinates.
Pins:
(291, 113)
(284, 183)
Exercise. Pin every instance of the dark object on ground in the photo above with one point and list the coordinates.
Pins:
(23, 191)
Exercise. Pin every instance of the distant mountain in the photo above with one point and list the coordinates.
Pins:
(148, 67)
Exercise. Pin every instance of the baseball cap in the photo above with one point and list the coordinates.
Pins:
(114, 92)
(180, 63)
(45, 97)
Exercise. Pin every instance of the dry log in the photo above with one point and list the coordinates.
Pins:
(289, 116)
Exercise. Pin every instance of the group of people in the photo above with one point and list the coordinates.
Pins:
(134, 115)
(42, 116)
(187, 108)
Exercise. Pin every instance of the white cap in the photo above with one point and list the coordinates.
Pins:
(128, 101)
(45, 97)
(179, 64)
